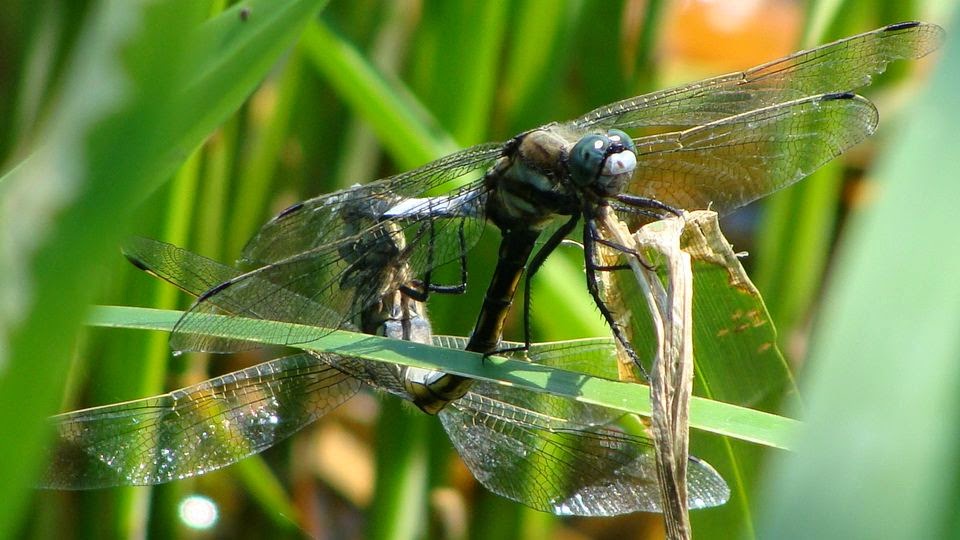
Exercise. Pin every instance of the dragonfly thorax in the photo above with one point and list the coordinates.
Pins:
(551, 171)
(528, 184)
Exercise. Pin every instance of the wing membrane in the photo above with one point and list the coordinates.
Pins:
(322, 261)
(551, 453)
(196, 275)
(329, 285)
(196, 429)
(317, 222)
(726, 164)
(841, 66)
(559, 465)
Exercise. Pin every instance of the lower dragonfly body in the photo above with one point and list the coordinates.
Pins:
(576, 460)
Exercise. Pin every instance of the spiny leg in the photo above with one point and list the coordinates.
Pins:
(420, 290)
(535, 263)
(646, 206)
(591, 236)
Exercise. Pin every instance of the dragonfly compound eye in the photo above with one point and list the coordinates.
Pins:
(586, 158)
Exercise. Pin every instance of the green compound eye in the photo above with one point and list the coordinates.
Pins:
(596, 156)
(586, 158)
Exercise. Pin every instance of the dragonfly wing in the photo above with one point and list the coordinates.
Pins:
(841, 66)
(303, 290)
(729, 163)
(197, 275)
(559, 465)
(328, 286)
(596, 357)
(328, 259)
(319, 221)
(191, 273)
(196, 429)
(381, 375)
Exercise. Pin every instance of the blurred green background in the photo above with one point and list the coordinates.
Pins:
(183, 122)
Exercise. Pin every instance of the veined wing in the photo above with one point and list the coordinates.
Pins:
(558, 465)
(196, 429)
(380, 375)
(551, 453)
(841, 66)
(317, 222)
(320, 261)
(188, 271)
(196, 274)
(328, 286)
(594, 357)
(728, 163)
(586, 467)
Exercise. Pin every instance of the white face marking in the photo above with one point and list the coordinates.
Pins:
(598, 145)
(614, 138)
(620, 163)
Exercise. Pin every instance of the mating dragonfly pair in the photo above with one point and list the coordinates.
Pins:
(363, 258)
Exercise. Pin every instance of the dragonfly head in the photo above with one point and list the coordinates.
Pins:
(603, 163)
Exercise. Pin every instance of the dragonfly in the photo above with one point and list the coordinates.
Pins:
(718, 144)
(553, 454)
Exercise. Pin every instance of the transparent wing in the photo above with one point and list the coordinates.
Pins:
(184, 269)
(559, 455)
(196, 274)
(328, 286)
(556, 464)
(596, 357)
(317, 222)
(729, 163)
(196, 429)
(841, 66)
(329, 257)
(380, 375)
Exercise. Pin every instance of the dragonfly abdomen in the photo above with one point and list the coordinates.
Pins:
(515, 250)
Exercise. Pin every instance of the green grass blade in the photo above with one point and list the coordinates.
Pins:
(147, 82)
(714, 416)
(56, 226)
(255, 173)
(400, 501)
(404, 127)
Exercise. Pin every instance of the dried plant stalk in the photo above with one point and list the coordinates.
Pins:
(670, 303)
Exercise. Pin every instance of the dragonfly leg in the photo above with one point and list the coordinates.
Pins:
(626, 251)
(626, 209)
(591, 236)
(420, 290)
(415, 291)
(461, 287)
(611, 267)
(646, 204)
(535, 263)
